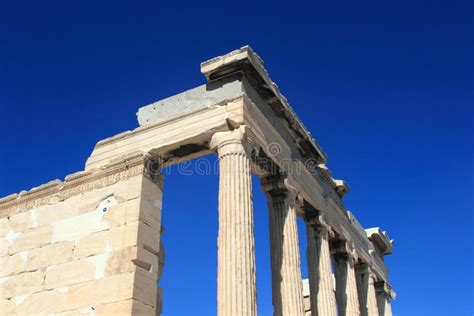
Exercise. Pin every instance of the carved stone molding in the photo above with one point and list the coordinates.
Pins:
(385, 289)
(280, 186)
(84, 181)
(344, 249)
(235, 142)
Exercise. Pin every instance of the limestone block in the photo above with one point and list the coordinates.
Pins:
(32, 238)
(132, 258)
(112, 289)
(49, 255)
(90, 200)
(136, 233)
(115, 288)
(146, 210)
(4, 227)
(125, 308)
(121, 261)
(11, 265)
(161, 261)
(110, 240)
(92, 245)
(150, 213)
(78, 312)
(4, 244)
(22, 284)
(145, 289)
(153, 191)
(149, 238)
(77, 227)
(70, 273)
(129, 189)
(48, 214)
(7, 307)
(46, 302)
(123, 213)
(159, 301)
(23, 221)
(82, 295)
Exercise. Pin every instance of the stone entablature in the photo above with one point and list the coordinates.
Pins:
(241, 115)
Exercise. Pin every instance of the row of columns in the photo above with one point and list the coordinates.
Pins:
(355, 291)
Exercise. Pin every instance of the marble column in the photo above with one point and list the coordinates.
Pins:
(366, 290)
(236, 285)
(346, 287)
(321, 284)
(372, 308)
(287, 287)
(384, 297)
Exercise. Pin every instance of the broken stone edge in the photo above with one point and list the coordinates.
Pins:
(123, 168)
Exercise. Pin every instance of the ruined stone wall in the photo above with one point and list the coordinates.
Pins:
(88, 245)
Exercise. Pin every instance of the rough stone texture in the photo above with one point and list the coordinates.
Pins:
(4, 227)
(15, 264)
(204, 96)
(23, 221)
(32, 238)
(22, 284)
(74, 257)
(49, 255)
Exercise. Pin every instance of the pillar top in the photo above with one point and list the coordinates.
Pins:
(221, 139)
(278, 181)
(236, 141)
(385, 288)
(344, 248)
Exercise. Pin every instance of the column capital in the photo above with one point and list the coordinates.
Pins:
(232, 142)
(281, 185)
(361, 268)
(383, 288)
(344, 249)
(319, 224)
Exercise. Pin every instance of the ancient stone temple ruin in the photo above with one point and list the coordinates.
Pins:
(91, 244)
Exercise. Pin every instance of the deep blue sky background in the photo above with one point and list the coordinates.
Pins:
(386, 88)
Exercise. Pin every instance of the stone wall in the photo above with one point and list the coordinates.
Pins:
(86, 247)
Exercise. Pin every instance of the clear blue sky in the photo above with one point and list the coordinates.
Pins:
(386, 88)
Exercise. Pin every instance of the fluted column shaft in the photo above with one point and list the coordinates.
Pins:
(321, 285)
(366, 290)
(372, 309)
(236, 289)
(346, 286)
(287, 287)
(384, 296)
